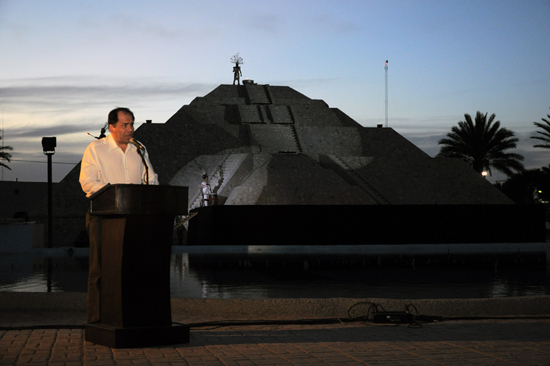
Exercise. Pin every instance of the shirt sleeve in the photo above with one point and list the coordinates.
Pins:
(91, 177)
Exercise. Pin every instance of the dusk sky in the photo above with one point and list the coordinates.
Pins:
(66, 64)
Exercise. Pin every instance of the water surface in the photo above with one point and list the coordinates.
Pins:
(241, 276)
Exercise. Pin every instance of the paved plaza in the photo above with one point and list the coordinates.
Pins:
(57, 338)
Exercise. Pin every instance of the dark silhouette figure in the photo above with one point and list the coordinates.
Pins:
(237, 74)
(236, 59)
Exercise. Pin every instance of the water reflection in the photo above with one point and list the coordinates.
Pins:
(34, 283)
(41, 273)
(294, 276)
(329, 277)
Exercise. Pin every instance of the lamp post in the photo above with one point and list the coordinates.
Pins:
(48, 145)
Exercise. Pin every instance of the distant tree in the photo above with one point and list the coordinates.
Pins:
(4, 155)
(544, 134)
(529, 186)
(483, 145)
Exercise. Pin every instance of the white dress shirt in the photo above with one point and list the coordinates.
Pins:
(105, 162)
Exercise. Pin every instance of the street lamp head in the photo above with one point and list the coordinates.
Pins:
(49, 144)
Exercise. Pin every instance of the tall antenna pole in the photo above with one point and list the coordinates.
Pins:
(386, 68)
(2, 141)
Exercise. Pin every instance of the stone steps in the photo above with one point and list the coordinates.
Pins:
(361, 180)
(275, 138)
(258, 94)
(223, 171)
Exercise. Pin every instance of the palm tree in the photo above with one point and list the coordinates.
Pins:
(545, 133)
(4, 155)
(483, 145)
(530, 186)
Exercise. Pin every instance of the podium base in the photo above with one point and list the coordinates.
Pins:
(113, 337)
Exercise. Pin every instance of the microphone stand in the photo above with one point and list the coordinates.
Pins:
(141, 152)
(145, 164)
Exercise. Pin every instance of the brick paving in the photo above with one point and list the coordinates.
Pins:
(458, 342)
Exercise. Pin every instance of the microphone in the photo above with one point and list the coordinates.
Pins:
(141, 153)
(137, 144)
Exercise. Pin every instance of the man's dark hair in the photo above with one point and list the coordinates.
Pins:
(113, 115)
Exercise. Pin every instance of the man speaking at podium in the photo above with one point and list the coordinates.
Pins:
(117, 158)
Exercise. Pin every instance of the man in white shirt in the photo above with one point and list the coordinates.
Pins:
(205, 191)
(110, 160)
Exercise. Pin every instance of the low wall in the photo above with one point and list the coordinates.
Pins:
(296, 308)
(18, 238)
(367, 224)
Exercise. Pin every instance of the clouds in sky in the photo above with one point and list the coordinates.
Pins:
(67, 63)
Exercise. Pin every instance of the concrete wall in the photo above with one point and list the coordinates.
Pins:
(17, 238)
(367, 224)
(296, 308)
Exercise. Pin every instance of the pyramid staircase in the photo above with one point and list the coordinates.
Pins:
(280, 114)
(221, 172)
(258, 94)
(275, 138)
(361, 180)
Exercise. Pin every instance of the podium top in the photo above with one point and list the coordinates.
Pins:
(136, 199)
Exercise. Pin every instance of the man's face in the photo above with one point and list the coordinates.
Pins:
(123, 130)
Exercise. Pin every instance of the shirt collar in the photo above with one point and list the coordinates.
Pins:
(112, 145)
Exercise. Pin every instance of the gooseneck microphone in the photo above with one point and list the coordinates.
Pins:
(137, 144)
(89, 134)
(140, 151)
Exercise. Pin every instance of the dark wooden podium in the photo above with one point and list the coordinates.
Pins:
(137, 224)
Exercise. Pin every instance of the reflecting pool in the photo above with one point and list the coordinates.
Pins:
(240, 276)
